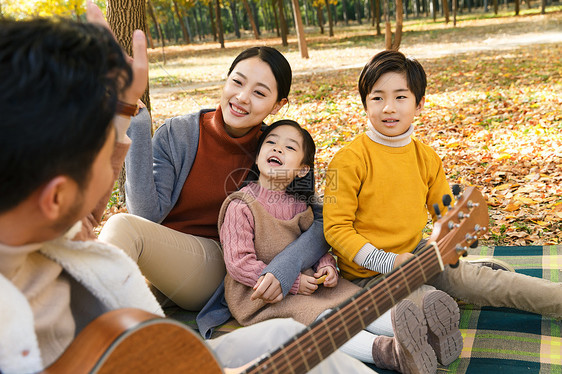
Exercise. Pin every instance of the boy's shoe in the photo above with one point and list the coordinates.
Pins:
(494, 263)
(408, 351)
(442, 314)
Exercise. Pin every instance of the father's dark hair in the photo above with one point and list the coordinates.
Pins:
(59, 82)
(396, 62)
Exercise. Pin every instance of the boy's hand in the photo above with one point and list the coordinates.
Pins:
(331, 274)
(401, 258)
(307, 285)
(268, 288)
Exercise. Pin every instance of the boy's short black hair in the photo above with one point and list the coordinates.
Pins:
(392, 61)
(59, 85)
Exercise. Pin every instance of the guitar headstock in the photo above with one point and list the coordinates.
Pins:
(461, 226)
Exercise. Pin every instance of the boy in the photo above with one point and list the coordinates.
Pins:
(66, 97)
(386, 181)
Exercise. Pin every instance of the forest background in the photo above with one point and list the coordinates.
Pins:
(494, 97)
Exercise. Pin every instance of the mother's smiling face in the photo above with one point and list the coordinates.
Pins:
(249, 95)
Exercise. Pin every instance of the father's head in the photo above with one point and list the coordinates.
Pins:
(59, 83)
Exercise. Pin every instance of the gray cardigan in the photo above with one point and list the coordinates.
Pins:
(156, 172)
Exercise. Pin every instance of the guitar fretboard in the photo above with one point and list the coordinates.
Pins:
(325, 336)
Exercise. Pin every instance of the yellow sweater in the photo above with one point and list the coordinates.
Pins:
(380, 195)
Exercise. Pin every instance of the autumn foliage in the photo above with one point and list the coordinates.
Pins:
(494, 117)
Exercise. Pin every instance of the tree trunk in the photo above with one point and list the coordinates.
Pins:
(303, 48)
(433, 12)
(152, 15)
(495, 3)
(455, 12)
(255, 17)
(283, 22)
(124, 20)
(149, 36)
(399, 22)
(543, 6)
(213, 26)
(182, 23)
(275, 12)
(235, 19)
(320, 17)
(388, 29)
(306, 15)
(344, 12)
(251, 18)
(357, 12)
(378, 16)
(446, 10)
(198, 24)
(220, 31)
(516, 7)
(330, 19)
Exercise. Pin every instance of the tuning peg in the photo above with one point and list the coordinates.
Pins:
(447, 201)
(437, 210)
(474, 244)
(456, 190)
(455, 265)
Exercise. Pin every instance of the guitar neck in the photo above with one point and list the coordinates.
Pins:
(325, 336)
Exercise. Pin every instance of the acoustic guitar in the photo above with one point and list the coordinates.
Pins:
(133, 341)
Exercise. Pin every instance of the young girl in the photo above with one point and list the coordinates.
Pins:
(257, 222)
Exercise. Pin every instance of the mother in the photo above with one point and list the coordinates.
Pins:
(178, 180)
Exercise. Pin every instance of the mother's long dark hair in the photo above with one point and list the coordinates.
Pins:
(302, 188)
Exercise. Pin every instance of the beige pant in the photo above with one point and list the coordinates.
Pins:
(186, 268)
(484, 286)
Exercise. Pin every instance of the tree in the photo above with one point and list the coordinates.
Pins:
(330, 18)
(179, 14)
(274, 8)
(389, 43)
(455, 11)
(157, 26)
(303, 48)
(251, 18)
(358, 11)
(220, 31)
(377, 16)
(124, 19)
(234, 16)
(283, 22)
(320, 16)
(213, 26)
(446, 11)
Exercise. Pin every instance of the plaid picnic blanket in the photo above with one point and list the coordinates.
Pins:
(496, 340)
(502, 340)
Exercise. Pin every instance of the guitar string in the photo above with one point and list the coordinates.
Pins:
(324, 343)
(366, 299)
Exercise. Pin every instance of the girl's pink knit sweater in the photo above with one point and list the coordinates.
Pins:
(237, 234)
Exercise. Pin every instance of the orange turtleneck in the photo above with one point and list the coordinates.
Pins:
(220, 166)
